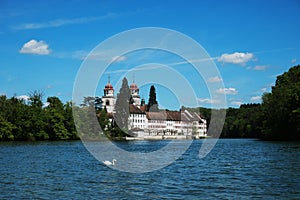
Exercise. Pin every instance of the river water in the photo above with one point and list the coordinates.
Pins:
(234, 169)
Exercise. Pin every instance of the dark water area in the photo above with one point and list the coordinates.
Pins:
(234, 169)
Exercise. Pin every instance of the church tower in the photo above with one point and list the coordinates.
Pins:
(134, 91)
(108, 99)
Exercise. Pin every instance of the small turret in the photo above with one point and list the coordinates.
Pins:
(134, 90)
(108, 99)
(143, 102)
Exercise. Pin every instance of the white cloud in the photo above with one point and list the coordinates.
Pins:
(96, 55)
(49, 86)
(260, 67)
(24, 97)
(226, 91)
(293, 61)
(255, 98)
(263, 89)
(214, 79)
(35, 47)
(236, 103)
(118, 58)
(236, 58)
(193, 61)
(143, 68)
(46, 104)
(62, 22)
(208, 100)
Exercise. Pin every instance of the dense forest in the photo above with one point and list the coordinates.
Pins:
(21, 120)
(276, 118)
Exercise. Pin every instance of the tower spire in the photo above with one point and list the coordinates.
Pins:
(108, 78)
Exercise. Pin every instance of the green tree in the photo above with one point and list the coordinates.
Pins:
(55, 103)
(122, 106)
(20, 115)
(69, 121)
(152, 103)
(55, 119)
(6, 130)
(103, 120)
(36, 98)
(88, 101)
(281, 108)
(98, 103)
(37, 120)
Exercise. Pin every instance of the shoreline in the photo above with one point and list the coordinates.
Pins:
(167, 137)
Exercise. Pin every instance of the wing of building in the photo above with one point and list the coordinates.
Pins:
(163, 123)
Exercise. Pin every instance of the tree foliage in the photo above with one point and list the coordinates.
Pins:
(122, 106)
(152, 103)
(30, 120)
(281, 108)
(277, 118)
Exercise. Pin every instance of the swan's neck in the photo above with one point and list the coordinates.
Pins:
(113, 163)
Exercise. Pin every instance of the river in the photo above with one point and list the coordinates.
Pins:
(234, 169)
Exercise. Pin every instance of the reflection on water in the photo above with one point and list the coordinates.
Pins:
(234, 169)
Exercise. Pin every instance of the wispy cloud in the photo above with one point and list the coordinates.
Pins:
(236, 103)
(215, 79)
(82, 55)
(260, 68)
(144, 68)
(23, 97)
(226, 91)
(236, 58)
(191, 61)
(49, 86)
(264, 89)
(118, 58)
(35, 47)
(208, 101)
(255, 98)
(293, 61)
(62, 22)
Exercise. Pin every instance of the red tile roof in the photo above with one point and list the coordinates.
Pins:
(135, 110)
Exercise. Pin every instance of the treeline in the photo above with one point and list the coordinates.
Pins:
(30, 120)
(276, 118)
(243, 122)
(92, 121)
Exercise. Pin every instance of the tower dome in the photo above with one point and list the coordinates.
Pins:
(108, 86)
(108, 99)
(134, 90)
(134, 86)
(108, 89)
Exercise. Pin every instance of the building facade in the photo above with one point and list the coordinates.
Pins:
(161, 123)
(108, 99)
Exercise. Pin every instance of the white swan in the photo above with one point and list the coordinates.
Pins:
(108, 163)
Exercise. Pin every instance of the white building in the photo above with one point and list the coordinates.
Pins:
(162, 123)
(108, 99)
(137, 118)
(134, 90)
(176, 123)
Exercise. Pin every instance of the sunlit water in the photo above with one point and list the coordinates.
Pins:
(234, 169)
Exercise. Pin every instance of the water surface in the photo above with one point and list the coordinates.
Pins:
(235, 168)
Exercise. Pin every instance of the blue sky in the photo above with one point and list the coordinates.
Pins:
(43, 44)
